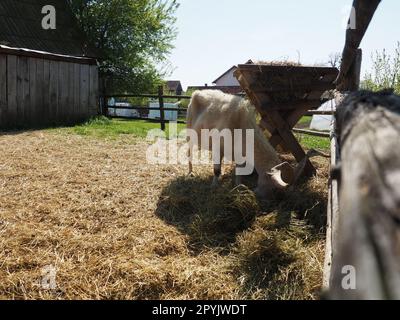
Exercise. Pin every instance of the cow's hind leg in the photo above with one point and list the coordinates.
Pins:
(217, 174)
(238, 177)
(217, 169)
(190, 157)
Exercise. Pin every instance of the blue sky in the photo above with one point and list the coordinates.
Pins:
(217, 34)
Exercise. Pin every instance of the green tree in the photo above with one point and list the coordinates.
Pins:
(385, 72)
(133, 37)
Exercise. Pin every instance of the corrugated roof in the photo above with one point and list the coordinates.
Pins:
(21, 27)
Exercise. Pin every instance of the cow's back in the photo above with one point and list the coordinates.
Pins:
(213, 109)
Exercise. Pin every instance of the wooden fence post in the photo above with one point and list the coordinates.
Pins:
(351, 81)
(366, 261)
(104, 100)
(161, 101)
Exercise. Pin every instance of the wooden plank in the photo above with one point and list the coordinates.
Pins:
(321, 113)
(154, 96)
(23, 89)
(351, 81)
(53, 90)
(364, 12)
(301, 88)
(77, 82)
(62, 110)
(292, 118)
(93, 91)
(368, 236)
(32, 112)
(84, 92)
(12, 110)
(20, 91)
(3, 91)
(146, 108)
(47, 56)
(332, 214)
(285, 69)
(46, 93)
(145, 119)
(161, 102)
(312, 132)
(290, 141)
(39, 111)
(70, 99)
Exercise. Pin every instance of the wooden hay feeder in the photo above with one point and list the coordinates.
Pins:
(283, 94)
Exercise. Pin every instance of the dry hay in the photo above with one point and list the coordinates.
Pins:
(282, 63)
(117, 228)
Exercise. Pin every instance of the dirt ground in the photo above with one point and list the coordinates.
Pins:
(88, 218)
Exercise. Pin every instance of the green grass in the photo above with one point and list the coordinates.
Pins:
(304, 123)
(309, 142)
(306, 120)
(103, 127)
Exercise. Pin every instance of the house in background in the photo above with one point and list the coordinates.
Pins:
(174, 87)
(46, 76)
(226, 82)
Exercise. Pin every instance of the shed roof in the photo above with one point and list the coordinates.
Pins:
(21, 27)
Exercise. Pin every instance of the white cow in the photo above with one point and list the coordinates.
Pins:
(213, 109)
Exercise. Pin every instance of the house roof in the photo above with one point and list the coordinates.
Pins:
(225, 73)
(21, 27)
(174, 85)
(229, 70)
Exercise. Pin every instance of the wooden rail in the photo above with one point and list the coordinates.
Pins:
(319, 113)
(368, 233)
(312, 132)
(161, 98)
(332, 211)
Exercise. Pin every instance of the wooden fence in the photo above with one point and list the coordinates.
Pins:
(159, 96)
(39, 89)
(161, 99)
(364, 208)
(362, 259)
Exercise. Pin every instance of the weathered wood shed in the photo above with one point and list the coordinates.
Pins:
(47, 77)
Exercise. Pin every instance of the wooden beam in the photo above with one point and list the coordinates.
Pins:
(151, 96)
(48, 56)
(352, 79)
(368, 236)
(312, 132)
(332, 213)
(161, 103)
(290, 141)
(360, 18)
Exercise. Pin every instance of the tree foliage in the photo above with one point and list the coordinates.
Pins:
(133, 37)
(385, 72)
